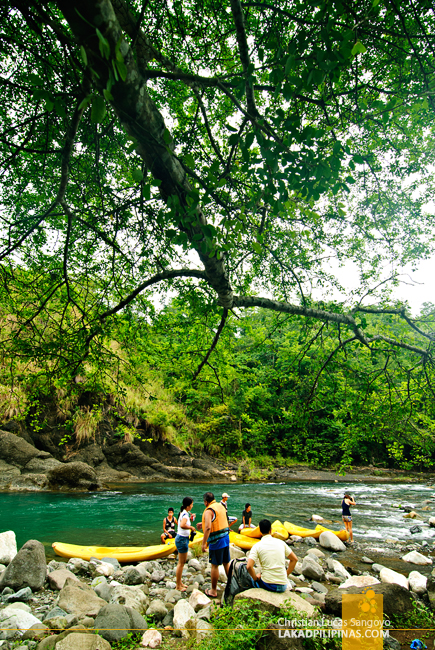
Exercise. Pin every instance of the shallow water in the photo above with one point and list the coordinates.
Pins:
(133, 514)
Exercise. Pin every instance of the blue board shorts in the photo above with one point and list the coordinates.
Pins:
(219, 556)
(181, 543)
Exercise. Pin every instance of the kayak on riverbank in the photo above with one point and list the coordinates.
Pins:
(121, 553)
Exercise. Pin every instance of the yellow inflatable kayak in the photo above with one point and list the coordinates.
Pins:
(292, 529)
(195, 542)
(341, 534)
(242, 541)
(251, 532)
(279, 531)
(120, 553)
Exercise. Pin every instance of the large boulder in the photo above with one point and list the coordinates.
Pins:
(16, 451)
(132, 597)
(27, 569)
(183, 611)
(8, 547)
(74, 475)
(114, 622)
(273, 602)
(392, 577)
(14, 622)
(41, 465)
(78, 641)
(331, 542)
(416, 558)
(397, 599)
(79, 599)
(312, 569)
(28, 483)
(157, 610)
(198, 600)
(91, 455)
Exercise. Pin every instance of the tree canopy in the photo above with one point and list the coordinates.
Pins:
(236, 153)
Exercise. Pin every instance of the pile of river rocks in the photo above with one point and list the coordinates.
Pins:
(63, 604)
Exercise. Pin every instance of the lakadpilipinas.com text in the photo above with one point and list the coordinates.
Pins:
(336, 628)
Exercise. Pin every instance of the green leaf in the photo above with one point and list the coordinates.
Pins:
(233, 139)
(137, 175)
(189, 160)
(98, 112)
(85, 102)
(290, 64)
(84, 55)
(35, 80)
(103, 44)
(108, 95)
(375, 3)
(358, 159)
(122, 69)
(358, 48)
(257, 248)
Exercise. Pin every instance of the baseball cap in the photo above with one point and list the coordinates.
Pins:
(225, 495)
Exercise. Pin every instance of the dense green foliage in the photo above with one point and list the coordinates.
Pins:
(235, 156)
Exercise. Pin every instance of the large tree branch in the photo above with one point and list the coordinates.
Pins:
(239, 22)
(319, 314)
(143, 121)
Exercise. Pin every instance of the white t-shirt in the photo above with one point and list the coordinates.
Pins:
(270, 553)
(184, 532)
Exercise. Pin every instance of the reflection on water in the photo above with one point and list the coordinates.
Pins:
(133, 514)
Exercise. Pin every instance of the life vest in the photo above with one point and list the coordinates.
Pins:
(170, 524)
(219, 526)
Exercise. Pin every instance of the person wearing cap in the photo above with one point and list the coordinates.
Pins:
(225, 497)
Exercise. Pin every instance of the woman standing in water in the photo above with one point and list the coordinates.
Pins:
(345, 511)
(182, 539)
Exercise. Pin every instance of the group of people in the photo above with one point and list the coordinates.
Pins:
(270, 553)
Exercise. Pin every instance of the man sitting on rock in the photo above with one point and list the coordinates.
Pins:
(216, 532)
(270, 554)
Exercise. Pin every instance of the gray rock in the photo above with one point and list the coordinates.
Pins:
(78, 566)
(74, 475)
(77, 641)
(134, 575)
(28, 483)
(12, 620)
(113, 561)
(397, 600)
(104, 591)
(41, 465)
(16, 451)
(273, 602)
(377, 568)
(366, 560)
(157, 610)
(194, 564)
(54, 565)
(169, 619)
(53, 613)
(330, 541)
(157, 575)
(116, 621)
(56, 579)
(309, 541)
(21, 596)
(8, 546)
(415, 529)
(391, 643)
(36, 632)
(321, 589)
(312, 569)
(80, 599)
(27, 569)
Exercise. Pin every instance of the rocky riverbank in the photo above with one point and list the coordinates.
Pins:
(51, 604)
(24, 466)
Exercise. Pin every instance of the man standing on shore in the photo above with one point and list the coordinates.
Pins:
(216, 534)
(231, 520)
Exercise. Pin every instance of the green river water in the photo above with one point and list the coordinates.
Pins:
(133, 514)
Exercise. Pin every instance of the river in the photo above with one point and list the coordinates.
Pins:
(132, 514)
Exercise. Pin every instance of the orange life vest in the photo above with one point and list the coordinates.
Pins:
(219, 526)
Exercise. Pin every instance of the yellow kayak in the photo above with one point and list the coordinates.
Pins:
(292, 529)
(246, 543)
(120, 553)
(251, 532)
(195, 542)
(341, 534)
(279, 531)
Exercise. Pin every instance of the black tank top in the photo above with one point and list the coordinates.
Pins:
(345, 509)
(170, 523)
